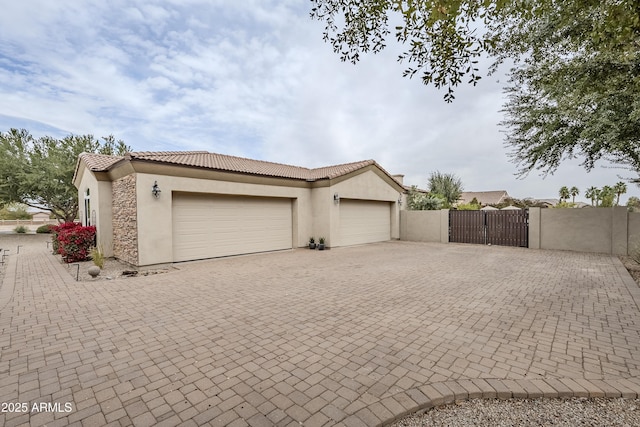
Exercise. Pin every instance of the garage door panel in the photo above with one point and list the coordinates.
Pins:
(364, 221)
(206, 226)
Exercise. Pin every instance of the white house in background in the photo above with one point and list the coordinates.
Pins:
(40, 216)
(154, 208)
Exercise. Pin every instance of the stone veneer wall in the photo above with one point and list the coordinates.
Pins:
(124, 218)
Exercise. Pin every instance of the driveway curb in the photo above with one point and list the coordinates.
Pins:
(8, 282)
(423, 398)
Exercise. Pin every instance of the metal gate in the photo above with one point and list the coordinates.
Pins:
(504, 228)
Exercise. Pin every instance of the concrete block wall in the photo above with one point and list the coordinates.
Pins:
(603, 230)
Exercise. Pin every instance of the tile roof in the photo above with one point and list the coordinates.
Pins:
(99, 162)
(206, 160)
(484, 197)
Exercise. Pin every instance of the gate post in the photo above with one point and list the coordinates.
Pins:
(444, 225)
(534, 228)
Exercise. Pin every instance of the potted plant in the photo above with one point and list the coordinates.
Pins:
(312, 243)
(321, 244)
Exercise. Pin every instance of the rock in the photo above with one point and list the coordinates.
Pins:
(94, 271)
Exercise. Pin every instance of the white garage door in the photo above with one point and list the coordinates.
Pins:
(364, 221)
(206, 226)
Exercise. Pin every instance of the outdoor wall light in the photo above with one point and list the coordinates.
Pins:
(155, 190)
(400, 200)
(336, 198)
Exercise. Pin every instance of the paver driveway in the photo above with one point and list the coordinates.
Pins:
(350, 336)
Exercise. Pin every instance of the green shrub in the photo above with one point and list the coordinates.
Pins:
(469, 207)
(44, 229)
(565, 205)
(21, 229)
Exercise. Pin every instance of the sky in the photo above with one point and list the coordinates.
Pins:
(252, 79)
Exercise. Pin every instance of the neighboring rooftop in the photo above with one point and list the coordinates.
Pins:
(206, 160)
(484, 197)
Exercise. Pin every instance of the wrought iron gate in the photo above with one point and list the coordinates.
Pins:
(504, 228)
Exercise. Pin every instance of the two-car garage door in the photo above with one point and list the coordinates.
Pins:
(208, 226)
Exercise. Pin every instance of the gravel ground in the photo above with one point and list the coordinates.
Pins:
(112, 270)
(529, 413)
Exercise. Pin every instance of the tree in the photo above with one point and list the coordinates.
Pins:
(446, 37)
(420, 201)
(444, 43)
(38, 172)
(592, 194)
(574, 89)
(574, 192)
(577, 92)
(519, 203)
(14, 211)
(577, 107)
(563, 193)
(620, 188)
(473, 205)
(606, 196)
(633, 204)
(449, 186)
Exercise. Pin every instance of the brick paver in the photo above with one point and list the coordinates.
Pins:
(351, 336)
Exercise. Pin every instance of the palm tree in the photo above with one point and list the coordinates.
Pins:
(574, 192)
(606, 196)
(564, 193)
(619, 188)
(591, 193)
(447, 185)
(598, 195)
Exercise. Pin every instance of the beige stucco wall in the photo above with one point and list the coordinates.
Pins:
(534, 228)
(322, 214)
(100, 201)
(155, 216)
(421, 226)
(142, 224)
(601, 230)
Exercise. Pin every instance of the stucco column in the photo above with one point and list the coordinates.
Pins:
(444, 225)
(534, 228)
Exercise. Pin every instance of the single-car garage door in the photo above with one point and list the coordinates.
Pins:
(364, 221)
(208, 226)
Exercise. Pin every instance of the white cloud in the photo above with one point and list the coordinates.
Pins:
(250, 78)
